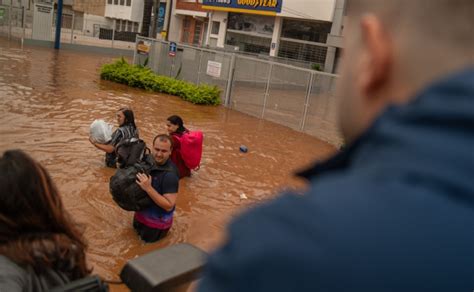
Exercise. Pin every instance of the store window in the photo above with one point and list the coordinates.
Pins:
(216, 25)
(251, 23)
(249, 43)
(313, 31)
(129, 2)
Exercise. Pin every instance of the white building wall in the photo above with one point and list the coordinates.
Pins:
(175, 25)
(90, 20)
(221, 17)
(309, 9)
(132, 13)
(137, 10)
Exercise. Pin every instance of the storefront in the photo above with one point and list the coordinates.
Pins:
(286, 29)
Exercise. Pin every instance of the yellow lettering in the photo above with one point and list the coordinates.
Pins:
(274, 3)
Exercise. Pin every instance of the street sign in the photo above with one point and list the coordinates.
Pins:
(173, 49)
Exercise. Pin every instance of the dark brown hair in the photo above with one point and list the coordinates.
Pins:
(177, 121)
(164, 138)
(35, 229)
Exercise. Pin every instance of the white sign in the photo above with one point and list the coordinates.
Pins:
(214, 68)
(43, 22)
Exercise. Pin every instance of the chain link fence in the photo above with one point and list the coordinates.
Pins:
(298, 98)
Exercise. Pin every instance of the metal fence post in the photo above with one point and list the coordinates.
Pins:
(230, 81)
(72, 26)
(135, 50)
(23, 24)
(306, 102)
(199, 66)
(267, 89)
(113, 32)
(9, 22)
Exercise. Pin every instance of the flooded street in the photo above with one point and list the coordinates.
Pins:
(48, 100)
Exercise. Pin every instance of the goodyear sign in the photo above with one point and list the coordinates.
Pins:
(264, 7)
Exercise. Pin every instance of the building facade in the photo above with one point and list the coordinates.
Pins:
(301, 32)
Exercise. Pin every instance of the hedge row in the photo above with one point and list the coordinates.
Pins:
(142, 77)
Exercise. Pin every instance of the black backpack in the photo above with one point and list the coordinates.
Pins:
(130, 151)
(124, 189)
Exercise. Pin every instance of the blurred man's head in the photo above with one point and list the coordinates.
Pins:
(162, 148)
(394, 48)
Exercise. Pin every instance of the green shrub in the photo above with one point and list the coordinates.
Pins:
(142, 77)
(316, 67)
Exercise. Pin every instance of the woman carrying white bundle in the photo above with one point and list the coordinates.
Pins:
(127, 130)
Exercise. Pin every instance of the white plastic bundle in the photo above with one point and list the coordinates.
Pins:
(100, 131)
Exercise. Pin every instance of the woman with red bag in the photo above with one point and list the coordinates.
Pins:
(187, 146)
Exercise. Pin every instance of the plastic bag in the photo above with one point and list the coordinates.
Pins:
(100, 131)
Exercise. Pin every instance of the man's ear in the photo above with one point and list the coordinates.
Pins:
(377, 66)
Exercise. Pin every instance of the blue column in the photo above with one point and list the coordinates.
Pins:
(59, 18)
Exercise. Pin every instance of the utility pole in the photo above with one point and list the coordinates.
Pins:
(169, 10)
(59, 18)
(154, 18)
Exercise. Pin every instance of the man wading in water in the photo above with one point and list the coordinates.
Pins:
(153, 223)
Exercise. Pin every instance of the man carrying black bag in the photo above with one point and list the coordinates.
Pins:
(149, 187)
(161, 185)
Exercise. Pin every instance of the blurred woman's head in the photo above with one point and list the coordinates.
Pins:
(35, 230)
(175, 124)
(125, 117)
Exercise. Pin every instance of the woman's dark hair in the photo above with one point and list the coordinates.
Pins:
(177, 121)
(129, 117)
(35, 229)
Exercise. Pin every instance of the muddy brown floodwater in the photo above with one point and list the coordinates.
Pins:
(48, 100)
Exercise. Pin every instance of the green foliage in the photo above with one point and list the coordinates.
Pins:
(142, 77)
(316, 67)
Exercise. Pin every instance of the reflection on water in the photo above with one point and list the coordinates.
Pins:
(48, 100)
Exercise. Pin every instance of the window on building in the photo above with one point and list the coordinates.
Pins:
(135, 27)
(109, 1)
(186, 29)
(122, 2)
(115, 2)
(129, 2)
(249, 43)
(117, 24)
(216, 25)
(312, 31)
(198, 28)
(251, 23)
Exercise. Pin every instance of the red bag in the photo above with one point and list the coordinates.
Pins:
(191, 148)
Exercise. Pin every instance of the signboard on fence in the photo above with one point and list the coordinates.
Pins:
(173, 49)
(214, 69)
(43, 22)
(143, 47)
